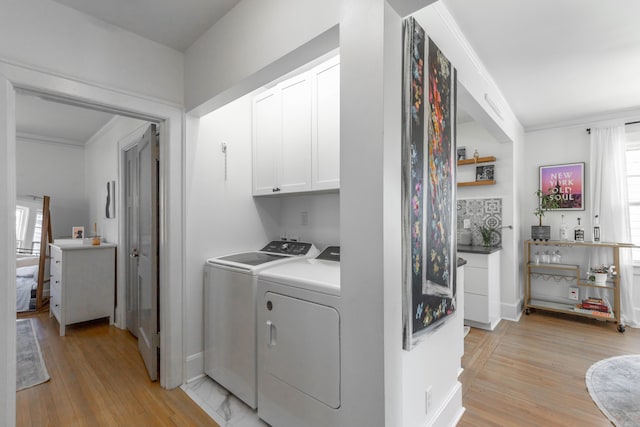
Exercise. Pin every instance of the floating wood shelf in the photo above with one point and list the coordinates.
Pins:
(473, 183)
(473, 161)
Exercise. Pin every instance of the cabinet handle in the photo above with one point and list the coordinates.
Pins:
(57, 262)
(271, 338)
(275, 189)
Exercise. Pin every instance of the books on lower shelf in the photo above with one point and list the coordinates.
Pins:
(595, 307)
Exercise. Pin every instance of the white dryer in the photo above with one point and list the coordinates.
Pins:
(299, 342)
(230, 314)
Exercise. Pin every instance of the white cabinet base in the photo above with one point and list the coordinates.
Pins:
(482, 290)
(82, 283)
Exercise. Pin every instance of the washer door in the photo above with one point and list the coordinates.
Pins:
(303, 346)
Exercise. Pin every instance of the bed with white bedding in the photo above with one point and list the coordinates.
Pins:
(26, 283)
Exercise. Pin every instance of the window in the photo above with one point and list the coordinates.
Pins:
(633, 184)
(37, 233)
(22, 214)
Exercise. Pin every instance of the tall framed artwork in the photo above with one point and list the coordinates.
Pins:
(428, 184)
(566, 183)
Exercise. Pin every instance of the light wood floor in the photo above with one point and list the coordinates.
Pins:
(98, 379)
(532, 373)
(529, 373)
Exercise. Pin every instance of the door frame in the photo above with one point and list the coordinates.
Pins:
(171, 121)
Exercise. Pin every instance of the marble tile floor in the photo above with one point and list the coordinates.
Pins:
(224, 408)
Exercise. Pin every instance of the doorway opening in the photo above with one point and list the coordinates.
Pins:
(88, 208)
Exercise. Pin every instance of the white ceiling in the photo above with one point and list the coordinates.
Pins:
(173, 23)
(556, 61)
(40, 119)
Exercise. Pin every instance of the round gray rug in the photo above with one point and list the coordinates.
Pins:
(614, 385)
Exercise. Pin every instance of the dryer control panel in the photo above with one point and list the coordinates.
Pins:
(287, 247)
(332, 253)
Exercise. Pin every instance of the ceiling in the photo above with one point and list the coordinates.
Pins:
(173, 23)
(556, 62)
(45, 120)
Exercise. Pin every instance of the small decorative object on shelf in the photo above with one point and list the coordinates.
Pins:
(476, 155)
(462, 153)
(599, 275)
(578, 232)
(485, 173)
(596, 230)
(545, 202)
(564, 230)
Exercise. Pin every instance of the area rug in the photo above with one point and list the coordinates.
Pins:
(614, 385)
(30, 368)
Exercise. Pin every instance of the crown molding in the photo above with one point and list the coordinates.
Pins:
(42, 139)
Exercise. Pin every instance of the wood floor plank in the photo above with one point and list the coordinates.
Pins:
(532, 372)
(98, 379)
(526, 373)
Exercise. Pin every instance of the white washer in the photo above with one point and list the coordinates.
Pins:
(230, 314)
(299, 342)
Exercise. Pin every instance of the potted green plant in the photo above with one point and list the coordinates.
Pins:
(486, 234)
(546, 202)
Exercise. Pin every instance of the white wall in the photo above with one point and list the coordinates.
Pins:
(7, 254)
(101, 163)
(257, 34)
(474, 136)
(250, 39)
(551, 147)
(48, 35)
(323, 219)
(58, 171)
(371, 323)
(221, 215)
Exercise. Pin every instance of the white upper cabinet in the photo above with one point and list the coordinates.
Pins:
(266, 141)
(326, 126)
(296, 133)
(295, 159)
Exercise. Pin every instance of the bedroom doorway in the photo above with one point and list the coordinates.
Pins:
(141, 166)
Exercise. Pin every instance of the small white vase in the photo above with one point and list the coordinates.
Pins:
(600, 278)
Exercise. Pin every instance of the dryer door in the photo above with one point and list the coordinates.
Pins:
(303, 346)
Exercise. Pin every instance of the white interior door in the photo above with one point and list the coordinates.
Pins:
(131, 224)
(147, 253)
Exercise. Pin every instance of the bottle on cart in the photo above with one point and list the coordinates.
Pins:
(578, 232)
(596, 230)
(564, 230)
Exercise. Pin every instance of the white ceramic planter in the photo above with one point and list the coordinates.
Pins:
(600, 278)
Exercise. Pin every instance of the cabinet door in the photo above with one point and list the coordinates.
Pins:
(294, 172)
(326, 126)
(266, 141)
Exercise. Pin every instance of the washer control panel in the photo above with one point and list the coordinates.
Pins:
(287, 247)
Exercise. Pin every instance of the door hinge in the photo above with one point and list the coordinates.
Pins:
(156, 340)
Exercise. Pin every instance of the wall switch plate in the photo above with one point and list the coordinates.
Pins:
(304, 217)
(574, 293)
(466, 223)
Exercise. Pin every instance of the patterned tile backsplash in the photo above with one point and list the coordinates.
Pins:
(487, 212)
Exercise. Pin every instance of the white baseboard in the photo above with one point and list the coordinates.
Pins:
(194, 367)
(450, 412)
(511, 312)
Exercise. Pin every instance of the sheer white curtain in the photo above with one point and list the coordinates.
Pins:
(609, 200)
